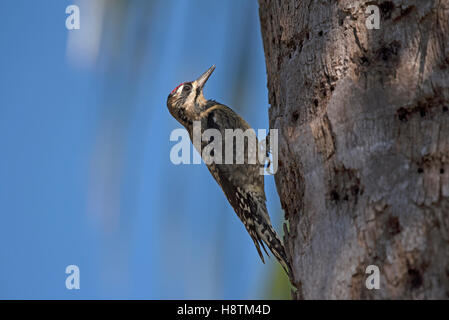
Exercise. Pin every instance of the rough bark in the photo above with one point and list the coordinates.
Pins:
(363, 144)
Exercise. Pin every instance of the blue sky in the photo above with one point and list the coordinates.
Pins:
(85, 173)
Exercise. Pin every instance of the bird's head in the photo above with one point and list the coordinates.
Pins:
(186, 101)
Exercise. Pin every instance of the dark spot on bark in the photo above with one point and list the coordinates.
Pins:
(293, 44)
(345, 185)
(315, 102)
(420, 170)
(415, 278)
(445, 109)
(405, 12)
(386, 8)
(295, 116)
(424, 107)
(332, 88)
(323, 88)
(402, 114)
(422, 112)
(320, 33)
(335, 196)
(340, 22)
(393, 226)
(364, 60)
(389, 50)
(441, 170)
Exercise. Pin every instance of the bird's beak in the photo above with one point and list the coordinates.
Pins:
(201, 81)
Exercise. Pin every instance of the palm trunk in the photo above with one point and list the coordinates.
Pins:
(363, 144)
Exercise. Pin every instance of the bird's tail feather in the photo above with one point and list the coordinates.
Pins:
(266, 234)
(277, 248)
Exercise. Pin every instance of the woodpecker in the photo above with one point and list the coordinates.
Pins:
(242, 184)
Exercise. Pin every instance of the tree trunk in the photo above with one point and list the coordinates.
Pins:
(363, 144)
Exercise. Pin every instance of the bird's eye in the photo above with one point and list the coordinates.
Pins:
(187, 88)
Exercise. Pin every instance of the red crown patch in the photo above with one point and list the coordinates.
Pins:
(177, 87)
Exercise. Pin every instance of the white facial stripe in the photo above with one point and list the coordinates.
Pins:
(191, 97)
(180, 88)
